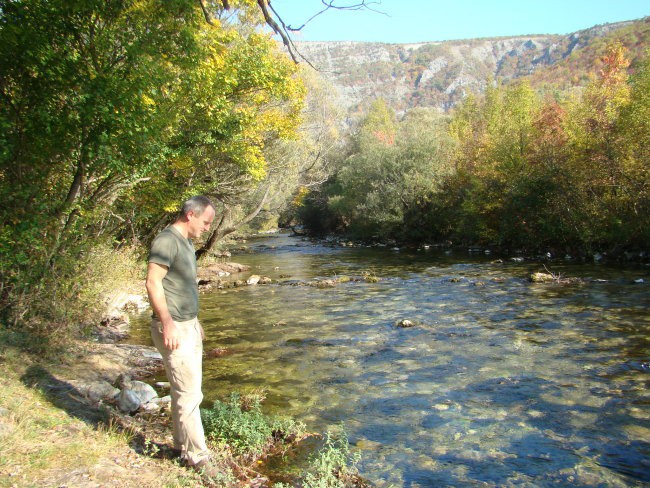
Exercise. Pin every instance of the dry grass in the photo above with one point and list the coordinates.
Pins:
(46, 442)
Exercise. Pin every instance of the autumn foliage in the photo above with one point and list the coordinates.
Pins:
(563, 173)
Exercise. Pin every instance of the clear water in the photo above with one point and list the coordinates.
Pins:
(501, 383)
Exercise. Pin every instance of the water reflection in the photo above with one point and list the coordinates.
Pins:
(501, 383)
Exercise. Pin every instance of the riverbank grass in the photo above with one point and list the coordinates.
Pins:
(47, 439)
(50, 436)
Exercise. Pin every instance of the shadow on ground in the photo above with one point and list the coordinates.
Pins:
(68, 398)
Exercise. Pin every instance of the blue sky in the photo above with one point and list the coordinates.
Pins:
(404, 21)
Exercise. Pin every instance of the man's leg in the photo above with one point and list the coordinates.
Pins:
(184, 372)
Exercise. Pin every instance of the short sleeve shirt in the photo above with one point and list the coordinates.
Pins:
(174, 251)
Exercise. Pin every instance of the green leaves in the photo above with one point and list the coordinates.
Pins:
(246, 430)
(522, 172)
(113, 111)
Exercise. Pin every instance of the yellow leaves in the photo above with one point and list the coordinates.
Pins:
(171, 207)
(148, 101)
(299, 198)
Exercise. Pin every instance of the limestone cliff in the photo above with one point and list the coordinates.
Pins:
(439, 74)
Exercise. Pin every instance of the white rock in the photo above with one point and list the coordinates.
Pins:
(128, 401)
(253, 280)
(144, 391)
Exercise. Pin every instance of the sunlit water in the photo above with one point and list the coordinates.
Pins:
(501, 383)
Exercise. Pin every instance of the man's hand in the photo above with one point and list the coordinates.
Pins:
(170, 336)
(155, 275)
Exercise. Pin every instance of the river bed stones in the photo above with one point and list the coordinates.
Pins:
(405, 324)
(259, 280)
(552, 278)
(541, 278)
(216, 352)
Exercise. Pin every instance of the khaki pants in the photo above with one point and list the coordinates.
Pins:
(184, 372)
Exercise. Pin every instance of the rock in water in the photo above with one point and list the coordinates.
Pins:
(541, 278)
(405, 323)
(253, 280)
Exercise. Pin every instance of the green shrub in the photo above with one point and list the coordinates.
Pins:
(64, 299)
(334, 466)
(241, 425)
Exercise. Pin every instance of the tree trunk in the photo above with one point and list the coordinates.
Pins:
(222, 230)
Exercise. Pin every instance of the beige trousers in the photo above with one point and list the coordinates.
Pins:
(184, 371)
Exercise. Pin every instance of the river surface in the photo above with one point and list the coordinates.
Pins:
(501, 382)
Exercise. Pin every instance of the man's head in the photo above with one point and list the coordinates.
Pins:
(197, 215)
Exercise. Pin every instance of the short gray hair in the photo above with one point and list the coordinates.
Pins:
(196, 204)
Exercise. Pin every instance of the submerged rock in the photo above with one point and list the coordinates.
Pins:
(217, 352)
(325, 284)
(541, 278)
(405, 323)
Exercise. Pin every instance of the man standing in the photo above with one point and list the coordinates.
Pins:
(176, 332)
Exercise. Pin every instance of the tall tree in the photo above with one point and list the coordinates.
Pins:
(110, 109)
(596, 168)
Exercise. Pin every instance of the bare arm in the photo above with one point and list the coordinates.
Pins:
(155, 274)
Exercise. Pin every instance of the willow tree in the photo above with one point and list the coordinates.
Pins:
(393, 165)
(633, 153)
(494, 136)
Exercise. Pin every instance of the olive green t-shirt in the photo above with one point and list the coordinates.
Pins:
(174, 251)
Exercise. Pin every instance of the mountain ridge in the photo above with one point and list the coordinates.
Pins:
(441, 73)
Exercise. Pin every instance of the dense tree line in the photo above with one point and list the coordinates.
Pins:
(111, 114)
(114, 112)
(511, 169)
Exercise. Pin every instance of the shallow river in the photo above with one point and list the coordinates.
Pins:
(500, 383)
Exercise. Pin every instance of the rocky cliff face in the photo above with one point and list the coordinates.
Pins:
(435, 74)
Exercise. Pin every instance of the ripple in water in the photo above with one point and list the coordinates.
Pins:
(501, 382)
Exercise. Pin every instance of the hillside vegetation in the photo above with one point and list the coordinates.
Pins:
(441, 74)
(511, 169)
